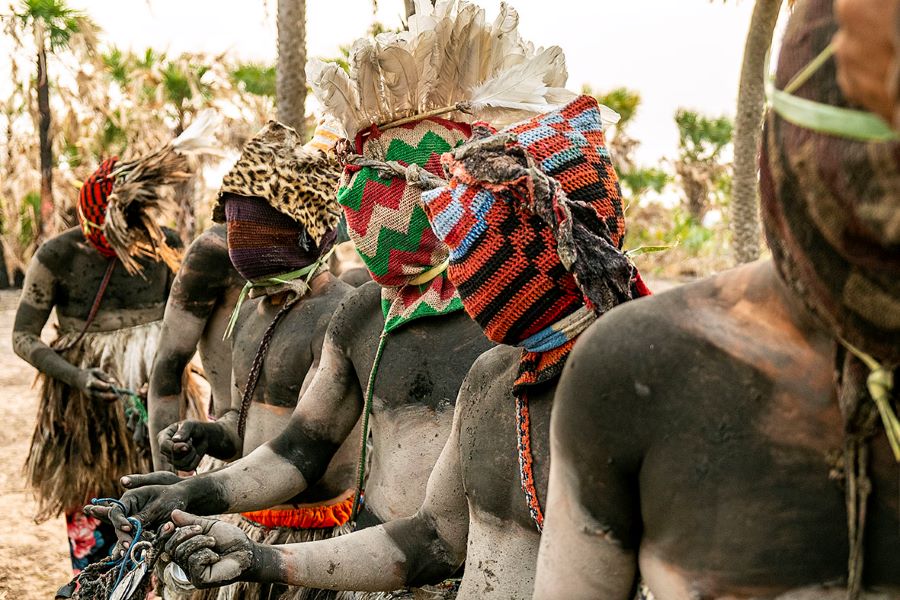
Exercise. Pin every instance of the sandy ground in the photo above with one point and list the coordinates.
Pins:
(34, 559)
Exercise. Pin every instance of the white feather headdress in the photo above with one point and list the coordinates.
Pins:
(450, 60)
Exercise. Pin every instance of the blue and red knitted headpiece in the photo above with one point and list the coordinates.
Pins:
(533, 218)
(534, 222)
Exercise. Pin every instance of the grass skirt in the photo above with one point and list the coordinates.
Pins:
(82, 447)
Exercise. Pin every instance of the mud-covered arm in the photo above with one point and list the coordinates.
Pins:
(425, 548)
(282, 468)
(36, 303)
(592, 525)
(200, 284)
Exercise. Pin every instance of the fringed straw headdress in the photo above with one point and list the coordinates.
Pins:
(123, 203)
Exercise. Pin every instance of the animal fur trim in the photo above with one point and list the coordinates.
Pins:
(298, 180)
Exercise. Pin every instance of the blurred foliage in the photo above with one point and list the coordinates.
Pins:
(59, 22)
(703, 173)
(255, 78)
(109, 101)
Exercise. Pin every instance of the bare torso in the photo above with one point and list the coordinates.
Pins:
(712, 408)
(503, 539)
(65, 274)
(203, 296)
(415, 391)
(291, 361)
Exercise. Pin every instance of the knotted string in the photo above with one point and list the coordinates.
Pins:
(308, 272)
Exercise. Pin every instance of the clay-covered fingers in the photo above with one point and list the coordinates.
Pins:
(183, 444)
(139, 480)
(100, 386)
(211, 552)
(113, 515)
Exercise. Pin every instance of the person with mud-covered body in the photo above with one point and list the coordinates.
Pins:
(481, 507)
(725, 445)
(278, 202)
(109, 323)
(430, 346)
(200, 303)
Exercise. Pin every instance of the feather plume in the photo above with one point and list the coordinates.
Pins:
(450, 58)
(199, 138)
(337, 92)
(143, 194)
(401, 78)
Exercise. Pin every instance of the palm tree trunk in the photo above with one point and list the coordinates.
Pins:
(46, 152)
(410, 7)
(290, 76)
(747, 132)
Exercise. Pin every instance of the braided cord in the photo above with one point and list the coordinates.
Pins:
(256, 367)
(367, 411)
(526, 459)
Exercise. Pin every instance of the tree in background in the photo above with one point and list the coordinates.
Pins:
(701, 172)
(54, 27)
(748, 128)
(290, 78)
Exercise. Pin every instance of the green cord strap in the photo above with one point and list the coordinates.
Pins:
(367, 411)
(880, 384)
(307, 271)
(831, 120)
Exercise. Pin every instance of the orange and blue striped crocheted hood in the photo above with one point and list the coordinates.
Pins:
(521, 204)
(533, 218)
(386, 222)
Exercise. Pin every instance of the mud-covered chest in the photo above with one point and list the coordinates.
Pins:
(490, 450)
(286, 357)
(422, 364)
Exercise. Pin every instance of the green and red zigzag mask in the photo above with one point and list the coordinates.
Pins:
(388, 225)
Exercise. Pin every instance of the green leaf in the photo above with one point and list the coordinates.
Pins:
(647, 250)
(831, 120)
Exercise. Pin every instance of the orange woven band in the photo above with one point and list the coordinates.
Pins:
(312, 517)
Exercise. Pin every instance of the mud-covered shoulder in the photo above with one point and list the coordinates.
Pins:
(495, 367)
(57, 253)
(356, 313)
(205, 273)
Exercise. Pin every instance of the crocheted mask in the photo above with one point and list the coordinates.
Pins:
(299, 181)
(535, 257)
(831, 206)
(264, 242)
(93, 198)
(386, 221)
(533, 218)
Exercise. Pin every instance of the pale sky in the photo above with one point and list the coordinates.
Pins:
(675, 52)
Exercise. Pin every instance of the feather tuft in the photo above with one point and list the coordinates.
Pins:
(450, 58)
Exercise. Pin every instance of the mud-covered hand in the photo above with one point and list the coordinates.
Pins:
(97, 385)
(150, 499)
(214, 553)
(184, 444)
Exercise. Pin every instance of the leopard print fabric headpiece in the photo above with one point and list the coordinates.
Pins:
(299, 181)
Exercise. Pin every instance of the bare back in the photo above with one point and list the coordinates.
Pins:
(698, 431)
